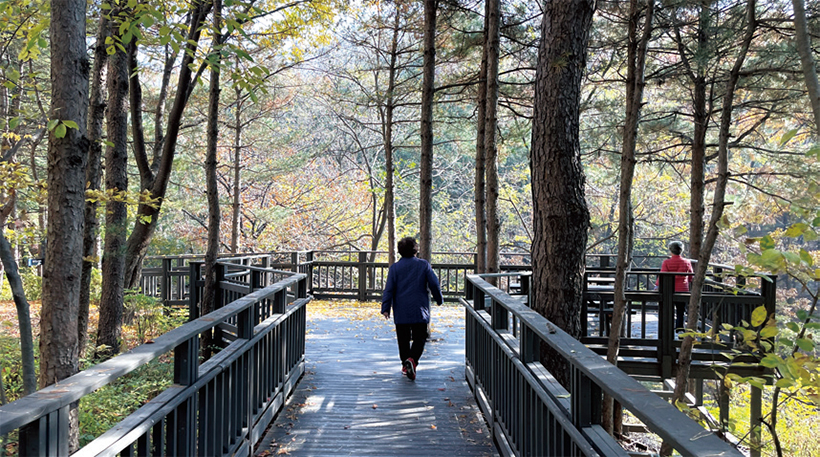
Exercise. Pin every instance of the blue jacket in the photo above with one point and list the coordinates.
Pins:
(406, 291)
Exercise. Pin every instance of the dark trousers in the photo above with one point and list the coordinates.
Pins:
(417, 333)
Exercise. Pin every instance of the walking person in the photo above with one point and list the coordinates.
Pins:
(410, 281)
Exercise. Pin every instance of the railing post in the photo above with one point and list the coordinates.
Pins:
(309, 270)
(302, 288)
(500, 315)
(165, 285)
(524, 280)
(47, 435)
(256, 280)
(280, 302)
(666, 323)
(219, 299)
(530, 345)
(194, 273)
(186, 369)
(362, 276)
(586, 399)
(294, 261)
(244, 322)
(768, 289)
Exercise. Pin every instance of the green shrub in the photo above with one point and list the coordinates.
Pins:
(32, 283)
(96, 284)
(101, 410)
(10, 365)
(149, 317)
(5, 290)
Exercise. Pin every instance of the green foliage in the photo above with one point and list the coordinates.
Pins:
(32, 284)
(107, 406)
(5, 289)
(797, 420)
(148, 316)
(10, 357)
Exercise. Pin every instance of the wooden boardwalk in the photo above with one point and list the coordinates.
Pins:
(353, 399)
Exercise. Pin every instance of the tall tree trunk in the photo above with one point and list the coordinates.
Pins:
(490, 124)
(802, 40)
(560, 212)
(67, 156)
(237, 176)
(116, 212)
(635, 83)
(209, 292)
(480, 154)
(718, 205)
(389, 203)
(426, 162)
(96, 114)
(156, 184)
(66, 193)
(697, 177)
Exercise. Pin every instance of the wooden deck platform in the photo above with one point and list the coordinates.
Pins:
(353, 399)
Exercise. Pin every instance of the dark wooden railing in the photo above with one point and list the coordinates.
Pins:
(168, 277)
(219, 407)
(354, 275)
(530, 413)
(721, 302)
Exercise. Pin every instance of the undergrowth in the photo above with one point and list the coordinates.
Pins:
(104, 408)
(797, 422)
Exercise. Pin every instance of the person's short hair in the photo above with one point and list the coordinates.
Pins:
(408, 247)
(676, 247)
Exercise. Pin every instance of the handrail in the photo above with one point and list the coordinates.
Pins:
(592, 375)
(42, 417)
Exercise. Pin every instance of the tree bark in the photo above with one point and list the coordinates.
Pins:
(426, 162)
(635, 83)
(700, 113)
(560, 212)
(490, 125)
(389, 204)
(718, 205)
(209, 292)
(62, 268)
(236, 207)
(116, 212)
(480, 155)
(66, 193)
(96, 114)
(802, 40)
(148, 212)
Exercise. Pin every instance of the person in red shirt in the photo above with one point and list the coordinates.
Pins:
(677, 264)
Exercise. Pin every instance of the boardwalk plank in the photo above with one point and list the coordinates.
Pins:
(354, 401)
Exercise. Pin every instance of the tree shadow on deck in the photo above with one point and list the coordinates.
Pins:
(353, 399)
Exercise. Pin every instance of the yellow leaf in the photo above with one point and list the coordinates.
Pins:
(759, 316)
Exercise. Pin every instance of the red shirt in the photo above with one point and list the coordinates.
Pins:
(677, 264)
